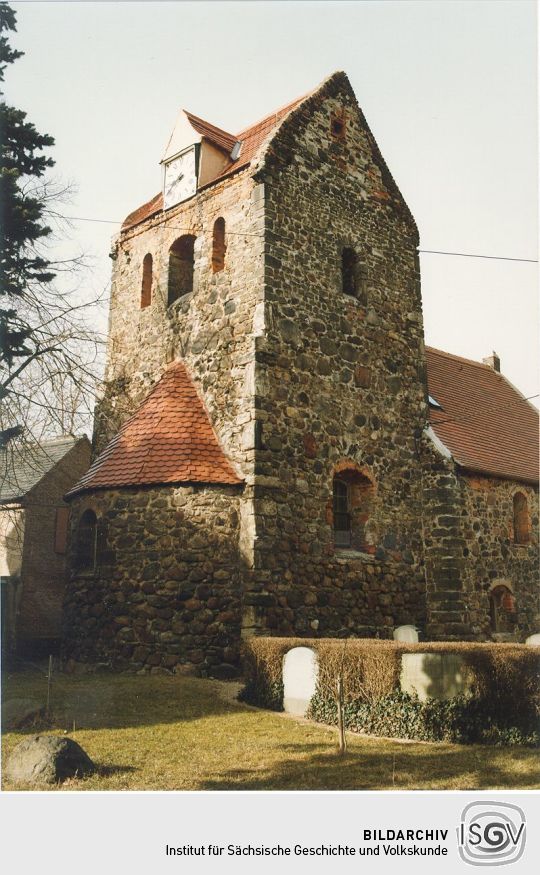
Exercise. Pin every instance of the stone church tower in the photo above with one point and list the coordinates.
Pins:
(264, 461)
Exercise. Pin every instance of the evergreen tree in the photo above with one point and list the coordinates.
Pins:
(48, 351)
(21, 214)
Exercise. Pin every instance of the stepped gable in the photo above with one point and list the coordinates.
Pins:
(251, 138)
(168, 440)
(487, 425)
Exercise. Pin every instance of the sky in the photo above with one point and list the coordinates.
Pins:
(448, 89)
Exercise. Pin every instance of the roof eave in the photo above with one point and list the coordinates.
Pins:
(467, 468)
(85, 490)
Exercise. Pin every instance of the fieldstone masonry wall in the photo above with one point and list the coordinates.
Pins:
(301, 380)
(493, 556)
(210, 329)
(338, 381)
(166, 589)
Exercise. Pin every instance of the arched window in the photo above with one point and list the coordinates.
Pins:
(353, 496)
(502, 608)
(342, 513)
(218, 245)
(348, 271)
(180, 268)
(522, 527)
(87, 541)
(146, 286)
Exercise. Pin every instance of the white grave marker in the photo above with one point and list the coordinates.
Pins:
(407, 634)
(533, 639)
(433, 675)
(300, 673)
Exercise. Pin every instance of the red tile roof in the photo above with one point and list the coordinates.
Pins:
(168, 440)
(252, 139)
(485, 422)
(216, 135)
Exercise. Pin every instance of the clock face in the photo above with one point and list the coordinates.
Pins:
(180, 179)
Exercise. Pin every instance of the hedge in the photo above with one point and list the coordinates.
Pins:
(502, 707)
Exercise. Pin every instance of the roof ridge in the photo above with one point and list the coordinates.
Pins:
(462, 358)
(282, 109)
(199, 118)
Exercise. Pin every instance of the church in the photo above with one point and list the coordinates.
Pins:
(276, 451)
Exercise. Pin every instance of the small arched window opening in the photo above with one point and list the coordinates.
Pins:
(181, 259)
(502, 608)
(218, 245)
(146, 285)
(352, 500)
(87, 541)
(522, 526)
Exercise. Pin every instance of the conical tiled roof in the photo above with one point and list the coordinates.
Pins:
(168, 440)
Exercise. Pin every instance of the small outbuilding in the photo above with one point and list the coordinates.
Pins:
(33, 539)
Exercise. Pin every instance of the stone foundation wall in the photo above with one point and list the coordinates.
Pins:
(166, 589)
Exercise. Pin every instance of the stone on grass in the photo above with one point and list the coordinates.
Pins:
(47, 759)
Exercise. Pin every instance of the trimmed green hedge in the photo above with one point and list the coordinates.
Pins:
(503, 706)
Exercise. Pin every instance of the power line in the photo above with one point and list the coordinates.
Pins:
(251, 234)
(473, 255)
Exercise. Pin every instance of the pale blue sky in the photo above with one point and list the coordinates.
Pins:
(448, 88)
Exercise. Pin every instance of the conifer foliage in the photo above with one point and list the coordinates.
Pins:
(21, 157)
(46, 346)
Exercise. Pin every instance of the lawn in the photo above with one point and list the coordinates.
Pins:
(182, 733)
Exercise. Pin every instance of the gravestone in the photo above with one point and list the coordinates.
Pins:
(534, 640)
(433, 675)
(407, 634)
(300, 673)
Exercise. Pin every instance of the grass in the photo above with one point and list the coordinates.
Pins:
(183, 733)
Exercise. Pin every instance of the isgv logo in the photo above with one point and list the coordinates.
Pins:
(491, 833)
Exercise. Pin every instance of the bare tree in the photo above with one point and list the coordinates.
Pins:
(49, 347)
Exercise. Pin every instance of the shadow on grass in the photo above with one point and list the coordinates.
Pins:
(107, 771)
(466, 768)
(115, 701)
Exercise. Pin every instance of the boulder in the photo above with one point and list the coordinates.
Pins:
(47, 759)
